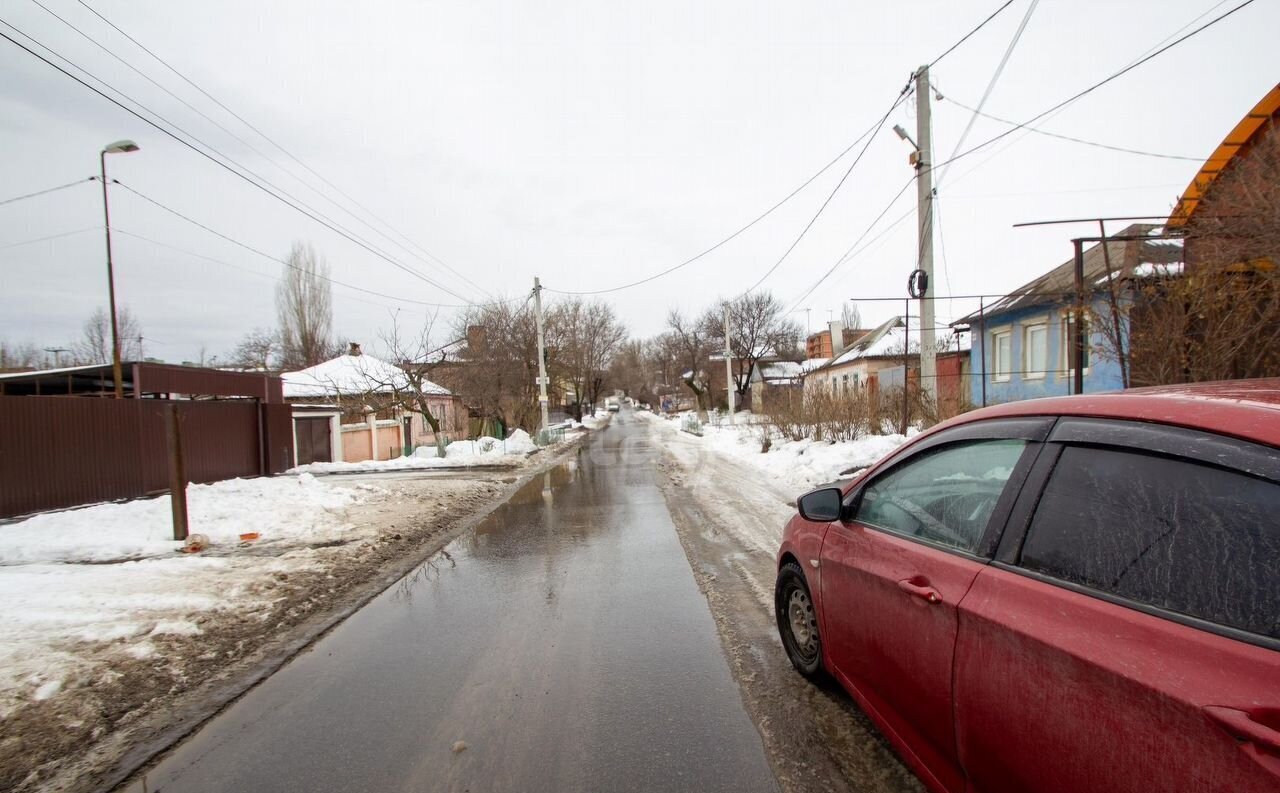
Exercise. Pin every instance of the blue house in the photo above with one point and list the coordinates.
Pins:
(1020, 346)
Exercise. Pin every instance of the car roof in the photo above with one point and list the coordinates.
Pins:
(1248, 409)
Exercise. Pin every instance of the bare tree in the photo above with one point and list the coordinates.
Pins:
(757, 328)
(304, 304)
(585, 336)
(256, 350)
(416, 356)
(499, 363)
(693, 348)
(94, 345)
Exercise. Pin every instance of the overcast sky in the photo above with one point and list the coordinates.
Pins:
(589, 143)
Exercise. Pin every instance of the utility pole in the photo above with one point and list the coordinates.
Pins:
(119, 147)
(924, 212)
(728, 364)
(543, 401)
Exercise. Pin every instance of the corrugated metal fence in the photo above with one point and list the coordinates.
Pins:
(65, 451)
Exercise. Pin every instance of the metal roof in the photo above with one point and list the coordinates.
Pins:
(141, 379)
(1060, 283)
(1238, 140)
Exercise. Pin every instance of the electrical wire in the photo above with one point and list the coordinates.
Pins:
(15, 199)
(50, 237)
(966, 36)
(868, 136)
(1097, 85)
(251, 271)
(256, 180)
(261, 134)
(285, 262)
(1093, 143)
(901, 96)
(732, 236)
(991, 84)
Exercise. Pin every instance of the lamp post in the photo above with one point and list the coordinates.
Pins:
(119, 147)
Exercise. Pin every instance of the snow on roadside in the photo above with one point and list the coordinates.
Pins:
(108, 578)
(278, 509)
(803, 464)
(459, 454)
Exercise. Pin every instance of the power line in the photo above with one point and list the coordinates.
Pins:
(50, 237)
(966, 36)
(848, 254)
(45, 191)
(299, 207)
(1158, 51)
(1094, 143)
(991, 84)
(735, 234)
(901, 95)
(260, 133)
(286, 263)
(1096, 85)
(259, 273)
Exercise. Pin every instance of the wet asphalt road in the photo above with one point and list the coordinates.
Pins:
(563, 640)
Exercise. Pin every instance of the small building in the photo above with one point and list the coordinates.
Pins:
(1020, 344)
(357, 407)
(777, 380)
(858, 367)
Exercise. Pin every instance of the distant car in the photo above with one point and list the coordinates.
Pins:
(612, 407)
(1069, 594)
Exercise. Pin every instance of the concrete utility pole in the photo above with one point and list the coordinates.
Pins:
(119, 147)
(543, 401)
(728, 364)
(924, 212)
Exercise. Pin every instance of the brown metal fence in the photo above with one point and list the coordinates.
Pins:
(65, 451)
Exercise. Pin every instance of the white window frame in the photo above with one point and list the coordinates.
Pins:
(1004, 331)
(1042, 324)
(1065, 369)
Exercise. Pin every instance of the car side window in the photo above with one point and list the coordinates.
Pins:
(1181, 536)
(945, 495)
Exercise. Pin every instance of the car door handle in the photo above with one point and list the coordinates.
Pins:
(1243, 727)
(1257, 739)
(922, 591)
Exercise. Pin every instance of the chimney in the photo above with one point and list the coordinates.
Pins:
(475, 338)
(837, 337)
(355, 349)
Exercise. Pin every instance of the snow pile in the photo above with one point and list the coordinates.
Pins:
(301, 508)
(480, 451)
(109, 578)
(801, 464)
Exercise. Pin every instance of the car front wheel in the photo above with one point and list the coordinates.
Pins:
(798, 621)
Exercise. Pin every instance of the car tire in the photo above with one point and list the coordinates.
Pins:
(798, 621)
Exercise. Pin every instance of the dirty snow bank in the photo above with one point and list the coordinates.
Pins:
(480, 451)
(108, 577)
(801, 464)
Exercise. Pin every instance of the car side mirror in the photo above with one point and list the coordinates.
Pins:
(821, 506)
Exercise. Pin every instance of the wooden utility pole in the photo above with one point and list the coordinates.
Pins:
(728, 365)
(177, 471)
(543, 401)
(924, 214)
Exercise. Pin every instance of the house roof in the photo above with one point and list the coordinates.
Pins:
(1237, 141)
(350, 375)
(1126, 257)
(778, 372)
(878, 342)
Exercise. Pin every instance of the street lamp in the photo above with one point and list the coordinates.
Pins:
(119, 147)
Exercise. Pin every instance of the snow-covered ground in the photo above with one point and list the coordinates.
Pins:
(799, 464)
(110, 576)
(459, 454)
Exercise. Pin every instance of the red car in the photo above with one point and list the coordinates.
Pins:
(1075, 594)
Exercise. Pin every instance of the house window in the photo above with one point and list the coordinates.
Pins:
(1035, 350)
(1001, 355)
(844, 381)
(1067, 366)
